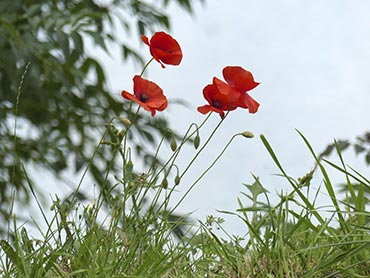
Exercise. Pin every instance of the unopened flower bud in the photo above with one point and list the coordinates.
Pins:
(248, 134)
(132, 184)
(125, 121)
(173, 144)
(164, 183)
(196, 142)
(177, 180)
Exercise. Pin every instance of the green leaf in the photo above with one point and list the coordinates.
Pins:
(329, 149)
(141, 27)
(367, 158)
(33, 10)
(78, 42)
(359, 148)
(63, 42)
(256, 188)
(60, 103)
(98, 39)
(82, 18)
(128, 52)
(10, 252)
(343, 144)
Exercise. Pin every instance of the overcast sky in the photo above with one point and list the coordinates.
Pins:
(312, 59)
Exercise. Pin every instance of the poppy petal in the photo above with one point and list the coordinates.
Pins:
(239, 78)
(127, 95)
(248, 102)
(229, 92)
(144, 86)
(208, 108)
(145, 39)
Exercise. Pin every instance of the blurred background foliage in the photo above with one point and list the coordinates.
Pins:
(361, 147)
(65, 103)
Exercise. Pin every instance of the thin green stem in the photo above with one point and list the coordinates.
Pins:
(203, 147)
(147, 188)
(15, 139)
(186, 138)
(145, 67)
(16, 116)
(205, 171)
(170, 162)
(125, 142)
(74, 196)
(191, 163)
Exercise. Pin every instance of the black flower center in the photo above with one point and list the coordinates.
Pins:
(216, 104)
(144, 98)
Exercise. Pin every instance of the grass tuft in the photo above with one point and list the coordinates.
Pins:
(131, 230)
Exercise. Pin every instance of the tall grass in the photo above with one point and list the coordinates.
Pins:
(293, 238)
(131, 230)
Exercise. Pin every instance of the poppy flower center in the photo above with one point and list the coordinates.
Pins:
(144, 98)
(216, 104)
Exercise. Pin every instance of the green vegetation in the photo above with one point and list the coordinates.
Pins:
(65, 100)
(136, 233)
(131, 227)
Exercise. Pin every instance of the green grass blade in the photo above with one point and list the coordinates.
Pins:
(327, 182)
(299, 192)
(349, 184)
(364, 180)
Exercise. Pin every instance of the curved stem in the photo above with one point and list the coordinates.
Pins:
(204, 173)
(145, 67)
(193, 160)
(202, 148)
(186, 137)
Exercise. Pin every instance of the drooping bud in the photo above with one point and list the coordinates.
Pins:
(248, 134)
(173, 144)
(164, 183)
(177, 180)
(196, 141)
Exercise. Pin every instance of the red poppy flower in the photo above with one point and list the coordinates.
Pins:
(243, 81)
(164, 48)
(147, 94)
(220, 96)
(228, 96)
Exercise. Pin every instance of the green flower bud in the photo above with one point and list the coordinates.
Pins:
(164, 183)
(173, 144)
(125, 121)
(196, 142)
(177, 180)
(248, 134)
(132, 184)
